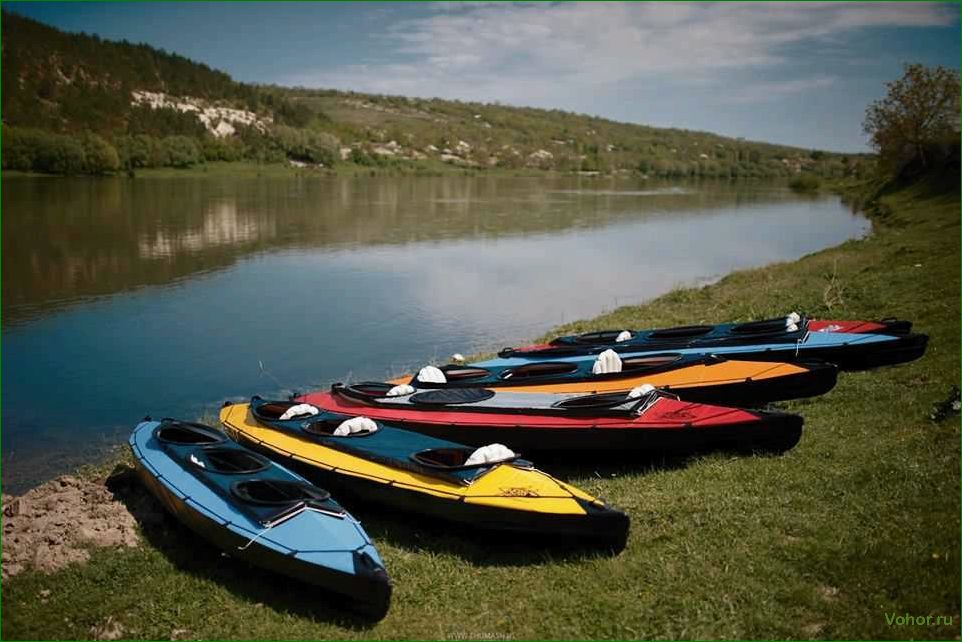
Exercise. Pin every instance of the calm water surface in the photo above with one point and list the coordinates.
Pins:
(123, 298)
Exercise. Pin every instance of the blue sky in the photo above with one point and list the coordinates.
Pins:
(796, 73)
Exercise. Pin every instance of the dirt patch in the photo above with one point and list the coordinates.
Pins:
(56, 524)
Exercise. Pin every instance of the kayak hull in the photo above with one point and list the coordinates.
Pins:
(367, 590)
(812, 381)
(602, 529)
(852, 345)
(667, 425)
(847, 351)
(520, 501)
(777, 433)
(854, 355)
(716, 381)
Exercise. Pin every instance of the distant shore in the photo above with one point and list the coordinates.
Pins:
(250, 169)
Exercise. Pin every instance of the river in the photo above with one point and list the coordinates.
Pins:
(165, 296)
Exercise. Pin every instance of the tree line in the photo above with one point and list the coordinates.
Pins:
(29, 149)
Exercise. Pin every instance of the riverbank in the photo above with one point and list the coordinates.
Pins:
(251, 169)
(426, 167)
(859, 521)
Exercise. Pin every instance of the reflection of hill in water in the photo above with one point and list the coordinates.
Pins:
(65, 240)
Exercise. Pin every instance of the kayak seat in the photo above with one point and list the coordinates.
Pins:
(603, 337)
(450, 458)
(326, 427)
(680, 332)
(277, 492)
(541, 369)
(188, 434)
(765, 326)
(460, 373)
(274, 410)
(654, 361)
(372, 389)
(229, 461)
(595, 401)
(451, 396)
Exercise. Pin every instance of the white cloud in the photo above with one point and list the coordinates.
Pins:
(771, 90)
(540, 53)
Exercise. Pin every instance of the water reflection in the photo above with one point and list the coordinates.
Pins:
(69, 240)
(221, 225)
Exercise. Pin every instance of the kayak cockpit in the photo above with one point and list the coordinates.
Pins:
(182, 433)
(228, 461)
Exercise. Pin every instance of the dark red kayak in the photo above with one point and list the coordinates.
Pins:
(654, 421)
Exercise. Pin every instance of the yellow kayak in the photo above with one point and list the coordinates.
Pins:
(709, 380)
(386, 467)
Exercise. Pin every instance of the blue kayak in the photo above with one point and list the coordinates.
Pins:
(848, 351)
(258, 511)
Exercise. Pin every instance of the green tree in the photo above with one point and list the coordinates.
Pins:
(919, 111)
(19, 148)
(58, 155)
(100, 157)
(135, 151)
(181, 151)
(222, 149)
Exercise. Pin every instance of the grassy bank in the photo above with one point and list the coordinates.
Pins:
(860, 520)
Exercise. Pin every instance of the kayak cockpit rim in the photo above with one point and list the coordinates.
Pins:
(453, 459)
(614, 401)
(228, 461)
(323, 424)
(183, 433)
(290, 497)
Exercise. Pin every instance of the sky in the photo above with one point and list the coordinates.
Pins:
(798, 73)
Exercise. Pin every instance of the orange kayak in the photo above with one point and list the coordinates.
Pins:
(713, 380)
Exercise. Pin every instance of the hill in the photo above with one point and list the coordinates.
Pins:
(75, 103)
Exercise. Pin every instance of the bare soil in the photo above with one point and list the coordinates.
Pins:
(59, 522)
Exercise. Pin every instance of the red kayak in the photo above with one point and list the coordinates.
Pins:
(654, 421)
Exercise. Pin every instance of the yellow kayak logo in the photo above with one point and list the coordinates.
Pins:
(518, 492)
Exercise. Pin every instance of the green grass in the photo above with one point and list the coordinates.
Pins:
(859, 520)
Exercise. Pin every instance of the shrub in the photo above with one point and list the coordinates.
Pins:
(100, 157)
(57, 154)
(222, 149)
(181, 151)
(19, 148)
(136, 151)
(805, 183)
